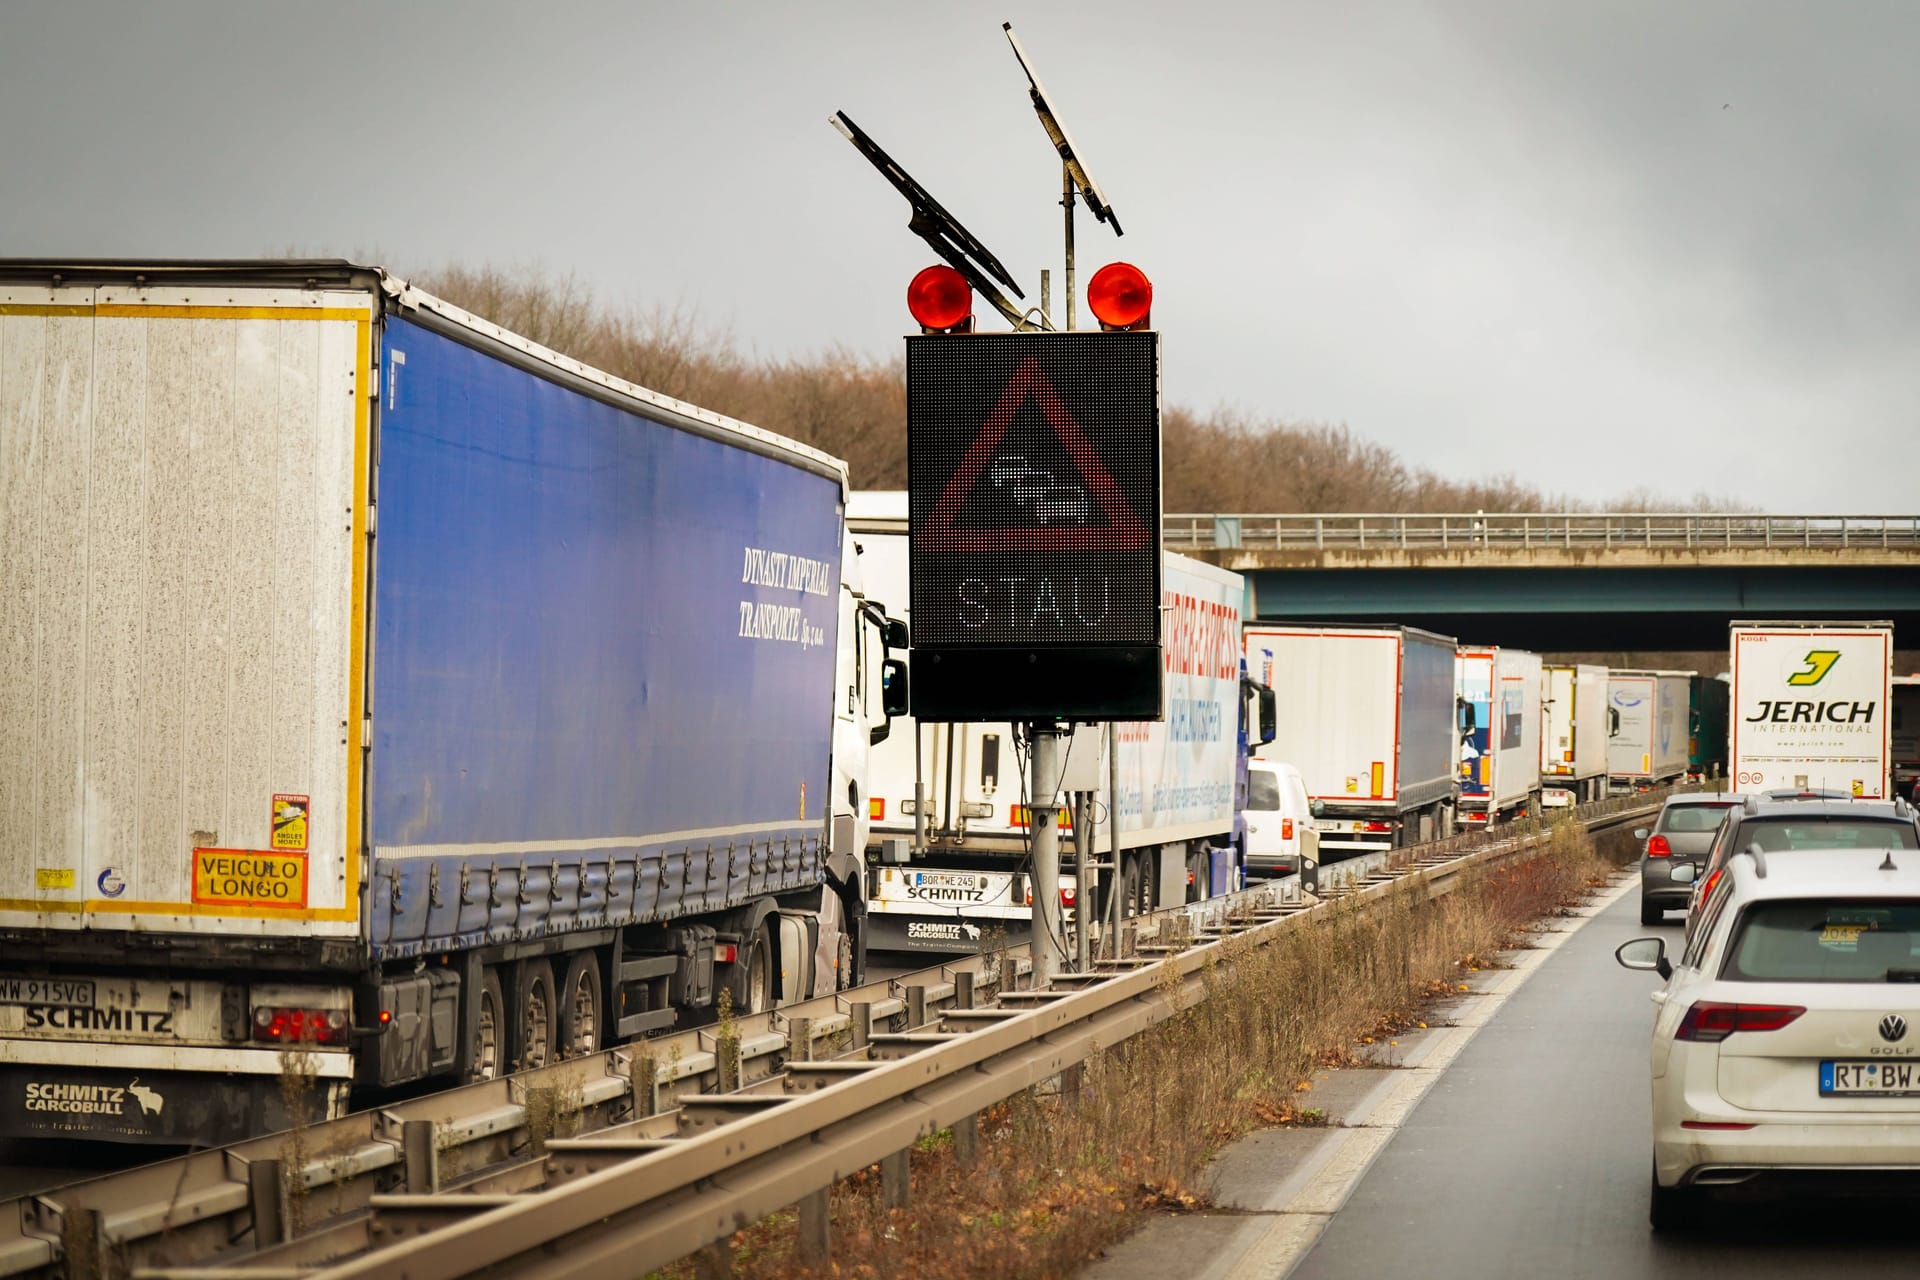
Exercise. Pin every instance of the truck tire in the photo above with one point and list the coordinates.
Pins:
(751, 981)
(489, 1056)
(534, 1021)
(583, 1016)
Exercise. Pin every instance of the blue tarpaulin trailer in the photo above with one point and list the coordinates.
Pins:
(415, 679)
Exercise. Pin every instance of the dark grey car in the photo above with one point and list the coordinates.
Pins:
(1676, 849)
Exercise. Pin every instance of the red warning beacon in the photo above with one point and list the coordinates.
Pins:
(1121, 297)
(941, 301)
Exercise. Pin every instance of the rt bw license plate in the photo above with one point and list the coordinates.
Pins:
(1854, 1079)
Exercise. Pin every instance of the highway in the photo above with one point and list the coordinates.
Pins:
(1529, 1157)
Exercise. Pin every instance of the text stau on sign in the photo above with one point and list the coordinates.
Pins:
(1033, 465)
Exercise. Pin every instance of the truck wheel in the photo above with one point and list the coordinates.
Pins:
(1197, 877)
(534, 1027)
(489, 1029)
(1132, 890)
(581, 1008)
(759, 975)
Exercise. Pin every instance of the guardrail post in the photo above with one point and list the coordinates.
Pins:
(1072, 1080)
(800, 1040)
(83, 1241)
(966, 1141)
(643, 1077)
(541, 1103)
(963, 989)
(916, 1007)
(896, 1179)
(421, 1150)
(715, 1262)
(862, 1012)
(263, 1202)
(815, 1245)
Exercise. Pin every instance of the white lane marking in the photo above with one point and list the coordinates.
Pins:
(1298, 1225)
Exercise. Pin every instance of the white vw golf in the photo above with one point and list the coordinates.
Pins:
(1786, 1053)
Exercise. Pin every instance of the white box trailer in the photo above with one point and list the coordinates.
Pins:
(1573, 734)
(1647, 730)
(949, 804)
(1500, 744)
(1811, 705)
(1367, 716)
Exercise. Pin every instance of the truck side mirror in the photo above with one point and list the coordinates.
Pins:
(1269, 716)
(893, 688)
(894, 633)
(1469, 722)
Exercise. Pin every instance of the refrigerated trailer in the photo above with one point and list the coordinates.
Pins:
(949, 869)
(1810, 706)
(1367, 715)
(1647, 739)
(1499, 693)
(1573, 734)
(386, 688)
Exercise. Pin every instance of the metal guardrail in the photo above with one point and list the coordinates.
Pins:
(1541, 530)
(632, 1158)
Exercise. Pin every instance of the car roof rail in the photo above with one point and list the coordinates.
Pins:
(1759, 859)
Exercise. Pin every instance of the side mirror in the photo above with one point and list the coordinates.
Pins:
(1645, 953)
(1469, 722)
(894, 633)
(1269, 716)
(894, 699)
(1641, 833)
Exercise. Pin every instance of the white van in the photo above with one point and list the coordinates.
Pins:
(1278, 832)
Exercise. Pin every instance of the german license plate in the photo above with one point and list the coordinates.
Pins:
(74, 993)
(1866, 1079)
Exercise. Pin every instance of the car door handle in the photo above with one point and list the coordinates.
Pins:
(1658, 997)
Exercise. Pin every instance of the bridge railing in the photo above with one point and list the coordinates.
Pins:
(1465, 532)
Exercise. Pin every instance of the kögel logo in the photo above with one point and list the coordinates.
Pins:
(1819, 662)
(1893, 1027)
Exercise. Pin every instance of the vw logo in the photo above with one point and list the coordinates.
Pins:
(1893, 1027)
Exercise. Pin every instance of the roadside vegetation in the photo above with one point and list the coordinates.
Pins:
(1061, 1178)
(854, 406)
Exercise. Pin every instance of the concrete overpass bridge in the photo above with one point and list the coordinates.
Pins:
(1568, 582)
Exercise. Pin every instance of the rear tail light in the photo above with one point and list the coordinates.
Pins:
(1378, 827)
(1711, 1021)
(300, 1026)
(1706, 890)
(877, 809)
(1659, 848)
(1286, 828)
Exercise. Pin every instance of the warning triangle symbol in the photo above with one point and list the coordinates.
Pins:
(1123, 531)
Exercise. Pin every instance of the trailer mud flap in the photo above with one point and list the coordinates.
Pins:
(158, 1107)
(886, 932)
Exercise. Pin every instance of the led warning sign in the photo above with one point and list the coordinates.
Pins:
(1034, 523)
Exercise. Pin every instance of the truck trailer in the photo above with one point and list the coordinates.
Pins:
(1904, 734)
(1499, 693)
(1810, 707)
(1647, 742)
(1367, 715)
(386, 689)
(948, 866)
(1573, 734)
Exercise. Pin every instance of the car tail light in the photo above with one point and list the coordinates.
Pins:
(300, 1026)
(1706, 890)
(1711, 1021)
(1659, 848)
(1286, 828)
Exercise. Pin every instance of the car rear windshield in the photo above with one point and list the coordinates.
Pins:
(1773, 834)
(1693, 817)
(1825, 941)
(1263, 789)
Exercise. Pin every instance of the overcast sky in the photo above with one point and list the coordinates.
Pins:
(1597, 246)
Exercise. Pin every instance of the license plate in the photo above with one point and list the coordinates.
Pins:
(75, 993)
(1867, 1079)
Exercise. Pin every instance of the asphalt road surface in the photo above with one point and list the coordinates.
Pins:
(1529, 1158)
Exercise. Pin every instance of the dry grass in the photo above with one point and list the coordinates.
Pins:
(1061, 1179)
